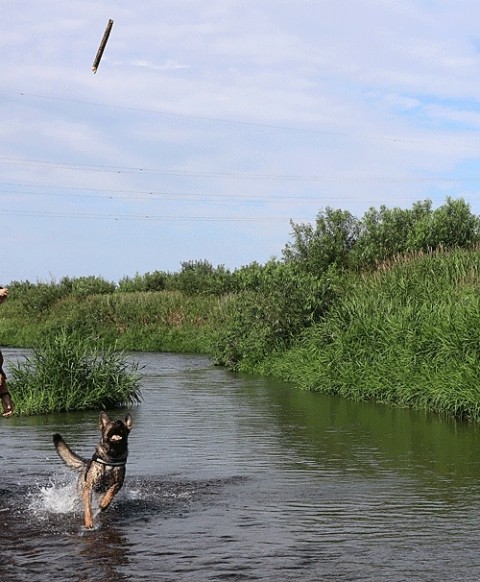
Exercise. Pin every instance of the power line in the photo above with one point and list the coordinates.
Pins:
(147, 171)
(71, 166)
(153, 171)
(210, 119)
(150, 195)
(235, 122)
(146, 217)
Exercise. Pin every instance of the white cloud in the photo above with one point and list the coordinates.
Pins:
(169, 65)
(376, 102)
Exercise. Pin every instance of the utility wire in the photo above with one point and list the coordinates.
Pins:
(157, 196)
(210, 119)
(213, 119)
(146, 217)
(230, 175)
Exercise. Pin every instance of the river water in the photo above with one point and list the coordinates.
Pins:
(238, 478)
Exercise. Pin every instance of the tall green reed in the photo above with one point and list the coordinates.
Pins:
(408, 335)
(71, 372)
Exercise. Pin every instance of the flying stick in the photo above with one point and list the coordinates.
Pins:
(102, 46)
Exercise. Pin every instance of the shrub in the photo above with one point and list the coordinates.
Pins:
(69, 372)
(200, 277)
(83, 286)
(350, 243)
(35, 299)
(156, 281)
(329, 242)
(287, 301)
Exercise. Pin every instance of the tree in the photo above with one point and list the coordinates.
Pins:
(329, 242)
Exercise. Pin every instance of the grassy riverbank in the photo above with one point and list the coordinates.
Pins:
(384, 308)
(168, 321)
(408, 335)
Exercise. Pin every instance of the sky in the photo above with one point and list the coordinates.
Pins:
(210, 126)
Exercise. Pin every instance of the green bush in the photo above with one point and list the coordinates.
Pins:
(156, 281)
(84, 286)
(200, 277)
(330, 242)
(257, 323)
(351, 243)
(69, 372)
(35, 299)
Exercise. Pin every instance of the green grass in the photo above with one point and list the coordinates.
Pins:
(168, 321)
(407, 335)
(69, 372)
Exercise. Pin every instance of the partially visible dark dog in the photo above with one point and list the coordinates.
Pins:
(105, 471)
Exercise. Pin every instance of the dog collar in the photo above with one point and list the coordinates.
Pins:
(98, 459)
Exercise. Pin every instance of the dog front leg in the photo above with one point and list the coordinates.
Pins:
(87, 506)
(108, 496)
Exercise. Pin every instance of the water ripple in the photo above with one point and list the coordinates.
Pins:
(237, 478)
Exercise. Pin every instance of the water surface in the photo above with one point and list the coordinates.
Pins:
(238, 478)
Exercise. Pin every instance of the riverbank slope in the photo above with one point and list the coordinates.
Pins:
(406, 333)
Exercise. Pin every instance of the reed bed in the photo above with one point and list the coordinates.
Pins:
(167, 321)
(407, 335)
(71, 372)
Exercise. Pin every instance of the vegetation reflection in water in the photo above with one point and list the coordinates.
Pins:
(340, 434)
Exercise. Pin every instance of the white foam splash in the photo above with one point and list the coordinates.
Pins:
(134, 494)
(55, 498)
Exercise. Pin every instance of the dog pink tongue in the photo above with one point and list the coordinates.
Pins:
(116, 437)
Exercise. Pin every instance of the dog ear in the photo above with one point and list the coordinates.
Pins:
(128, 422)
(103, 420)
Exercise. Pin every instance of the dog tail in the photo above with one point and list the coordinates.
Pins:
(66, 453)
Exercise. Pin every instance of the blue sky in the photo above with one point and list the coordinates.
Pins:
(210, 125)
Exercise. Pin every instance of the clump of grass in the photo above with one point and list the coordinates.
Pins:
(70, 372)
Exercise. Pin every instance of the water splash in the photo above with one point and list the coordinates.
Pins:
(54, 498)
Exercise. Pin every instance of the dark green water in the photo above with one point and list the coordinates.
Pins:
(239, 478)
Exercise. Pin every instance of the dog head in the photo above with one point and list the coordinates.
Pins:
(115, 432)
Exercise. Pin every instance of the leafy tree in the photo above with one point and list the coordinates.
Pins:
(387, 232)
(329, 242)
(454, 226)
(339, 238)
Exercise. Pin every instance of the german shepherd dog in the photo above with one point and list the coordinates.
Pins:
(105, 471)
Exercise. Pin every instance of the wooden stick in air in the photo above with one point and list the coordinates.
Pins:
(102, 46)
